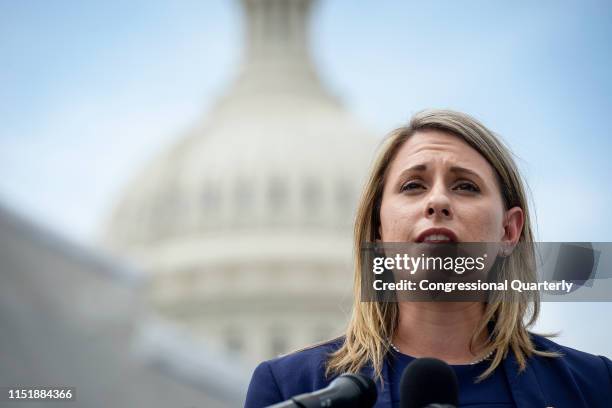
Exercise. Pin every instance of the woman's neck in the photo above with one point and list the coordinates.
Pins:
(440, 329)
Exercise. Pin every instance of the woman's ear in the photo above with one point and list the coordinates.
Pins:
(514, 219)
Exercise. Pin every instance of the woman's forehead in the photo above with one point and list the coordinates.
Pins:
(435, 147)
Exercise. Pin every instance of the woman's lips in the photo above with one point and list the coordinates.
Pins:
(437, 235)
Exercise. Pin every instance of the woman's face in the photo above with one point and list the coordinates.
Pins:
(438, 181)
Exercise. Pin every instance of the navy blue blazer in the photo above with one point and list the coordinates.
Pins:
(575, 380)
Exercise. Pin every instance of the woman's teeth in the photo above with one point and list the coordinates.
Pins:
(437, 238)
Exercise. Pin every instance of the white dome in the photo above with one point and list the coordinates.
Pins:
(278, 153)
(245, 224)
(299, 169)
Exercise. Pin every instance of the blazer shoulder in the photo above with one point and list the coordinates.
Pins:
(588, 371)
(570, 355)
(309, 359)
(283, 377)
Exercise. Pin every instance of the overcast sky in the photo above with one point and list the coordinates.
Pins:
(91, 90)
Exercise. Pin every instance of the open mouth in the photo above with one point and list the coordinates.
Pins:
(437, 236)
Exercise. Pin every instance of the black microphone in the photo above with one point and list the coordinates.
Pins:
(346, 391)
(429, 383)
(576, 263)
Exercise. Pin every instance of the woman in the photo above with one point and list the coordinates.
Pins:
(446, 177)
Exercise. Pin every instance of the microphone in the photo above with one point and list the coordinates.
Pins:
(346, 391)
(576, 263)
(429, 383)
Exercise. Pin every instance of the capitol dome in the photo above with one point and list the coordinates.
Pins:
(256, 204)
(296, 168)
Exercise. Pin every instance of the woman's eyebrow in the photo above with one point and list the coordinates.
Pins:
(405, 172)
(417, 167)
(453, 169)
(459, 169)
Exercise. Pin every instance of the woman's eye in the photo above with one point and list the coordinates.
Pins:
(468, 187)
(412, 185)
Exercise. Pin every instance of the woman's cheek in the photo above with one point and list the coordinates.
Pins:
(397, 219)
(482, 224)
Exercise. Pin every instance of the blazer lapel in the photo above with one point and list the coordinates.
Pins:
(524, 385)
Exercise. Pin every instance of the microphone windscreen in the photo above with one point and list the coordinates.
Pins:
(576, 263)
(428, 381)
(367, 388)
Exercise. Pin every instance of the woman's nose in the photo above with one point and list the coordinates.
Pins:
(438, 206)
(436, 210)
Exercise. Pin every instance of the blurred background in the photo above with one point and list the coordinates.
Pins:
(179, 178)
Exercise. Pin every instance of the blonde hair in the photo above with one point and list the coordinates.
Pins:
(509, 314)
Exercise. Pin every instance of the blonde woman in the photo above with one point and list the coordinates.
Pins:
(446, 177)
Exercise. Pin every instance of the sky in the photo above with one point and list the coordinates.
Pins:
(92, 90)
